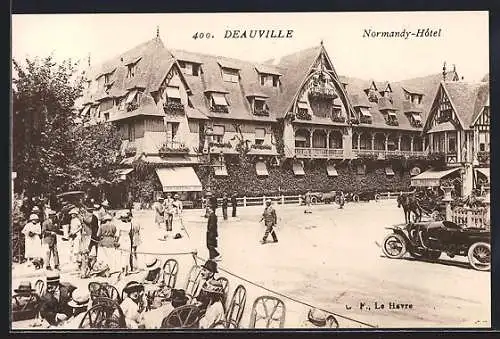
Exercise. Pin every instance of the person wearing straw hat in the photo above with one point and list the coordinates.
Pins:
(80, 302)
(270, 219)
(153, 271)
(208, 271)
(320, 319)
(169, 212)
(107, 242)
(159, 211)
(210, 303)
(75, 230)
(32, 242)
(50, 230)
(177, 213)
(54, 303)
(133, 304)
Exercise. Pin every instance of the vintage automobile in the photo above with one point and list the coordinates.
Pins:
(427, 240)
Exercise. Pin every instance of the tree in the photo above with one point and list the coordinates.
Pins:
(43, 98)
(52, 150)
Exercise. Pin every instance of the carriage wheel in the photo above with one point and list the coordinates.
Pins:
(394, 246)
(186, 316)
(480, 256)
(274, 311)
(237, 304)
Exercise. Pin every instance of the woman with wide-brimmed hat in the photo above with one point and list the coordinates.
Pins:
(32, 238)
(133, 304)
(210, 300)
(80, 302)
(154, 318)
(159, 211)
(317, 318)
(23, 300)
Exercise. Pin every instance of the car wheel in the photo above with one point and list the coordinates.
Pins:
(355, 198)
(480, 256)
(314, 200)
(394, 246)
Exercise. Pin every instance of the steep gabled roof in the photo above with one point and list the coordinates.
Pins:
(467, 99)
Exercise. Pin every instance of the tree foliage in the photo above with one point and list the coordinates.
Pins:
(52, 151)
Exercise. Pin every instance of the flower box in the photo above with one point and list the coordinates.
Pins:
(261, 112)
(219, 109)
(322, 93)
(173, 148)
(174, 108)
(265, 147)
(338, 118)
(303, 115)
(132, 106)
(392, 122)
(365, 120)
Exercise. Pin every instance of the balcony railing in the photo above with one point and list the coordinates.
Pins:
(306, 152)
(322, 92)
(388, 153)
(219, 109)
(172, 147)
(173, 108)
(261, 112)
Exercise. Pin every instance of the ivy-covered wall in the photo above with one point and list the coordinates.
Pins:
(243, 180)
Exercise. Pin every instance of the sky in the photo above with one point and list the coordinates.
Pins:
(464, 39)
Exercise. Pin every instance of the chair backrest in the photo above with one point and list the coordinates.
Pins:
(193, 280)
(106, 290)
(225, 289)
(40, 287)
(186, 316)
(104, 315)
(94, 289)
(237, 305)
(267, 312)
(170, 269)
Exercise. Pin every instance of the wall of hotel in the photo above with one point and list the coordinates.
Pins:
(247, 129)
(289, 139)
(138, 131)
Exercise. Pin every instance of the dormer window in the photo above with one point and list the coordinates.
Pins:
(132, 68)
(230, 75)
(133, 100)
(269, 80)
(365, 117)
(189, 68)
(218, 103)
(390, 117)
(260, 107)
(173, 94)
(416, 119)
(371, 93)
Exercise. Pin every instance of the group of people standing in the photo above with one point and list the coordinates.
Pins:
(166, 211)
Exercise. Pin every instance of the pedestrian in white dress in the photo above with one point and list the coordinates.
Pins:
(75, 234)
(32, 238)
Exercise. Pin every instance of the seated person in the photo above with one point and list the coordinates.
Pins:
(317, 319)
(146, 277)
(54, 304)
(25, 298)
(210, 301)
(80, 301)
(207, 274)
(154, 318)
(133, 304)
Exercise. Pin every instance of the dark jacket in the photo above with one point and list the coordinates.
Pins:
(50, 306)
(234, 202)
(212, 225)
(225, 202)
(94, 227)
(269, 216)
(49, 228)
(107, 235)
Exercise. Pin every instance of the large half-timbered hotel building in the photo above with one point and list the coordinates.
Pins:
(300, 125)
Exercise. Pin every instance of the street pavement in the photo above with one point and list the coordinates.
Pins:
(330, 259)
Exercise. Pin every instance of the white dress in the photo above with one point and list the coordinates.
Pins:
(32, 244)
(123, 252)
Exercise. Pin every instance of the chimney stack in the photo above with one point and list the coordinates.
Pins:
(444, 71)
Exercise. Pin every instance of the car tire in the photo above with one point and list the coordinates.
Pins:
(388, 246)
(479, 256)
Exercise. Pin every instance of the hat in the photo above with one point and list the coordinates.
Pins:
(179, 296)
(152, 264)
(24, 287)
(51, 212)
(177, 236)
(318, 317)
(133, 286)
(35, 209)
(105, 203)
(268, 201)
(53, 277)
(34, 217)
(107, 217)
(211, 266)
(74, 211)
(79, 298)
(213, 286)
(176, 196)
(97, 206)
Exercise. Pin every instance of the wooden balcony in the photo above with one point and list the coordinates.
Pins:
(389, 153)
(319, 153)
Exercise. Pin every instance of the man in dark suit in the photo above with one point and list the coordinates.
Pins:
(54, 304)
(212, 234)
(225, 202)
(234, 203)
(50, 229)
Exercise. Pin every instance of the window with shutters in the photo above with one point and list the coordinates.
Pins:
(260, 134)
(230, 75)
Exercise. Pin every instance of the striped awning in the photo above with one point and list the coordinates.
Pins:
(485, 172)
(173, 92)
(261, 168)
(179, 179)
(431, 178)
(331, 170)
(298, 168)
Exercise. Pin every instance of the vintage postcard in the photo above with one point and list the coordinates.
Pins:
(258, 170)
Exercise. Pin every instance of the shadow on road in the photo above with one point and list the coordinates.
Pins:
(438, 261)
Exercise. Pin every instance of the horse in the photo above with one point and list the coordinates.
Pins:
(410, 204)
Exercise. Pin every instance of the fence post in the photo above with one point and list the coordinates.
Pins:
(282, 199)
(300, 200)
(244, 201)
